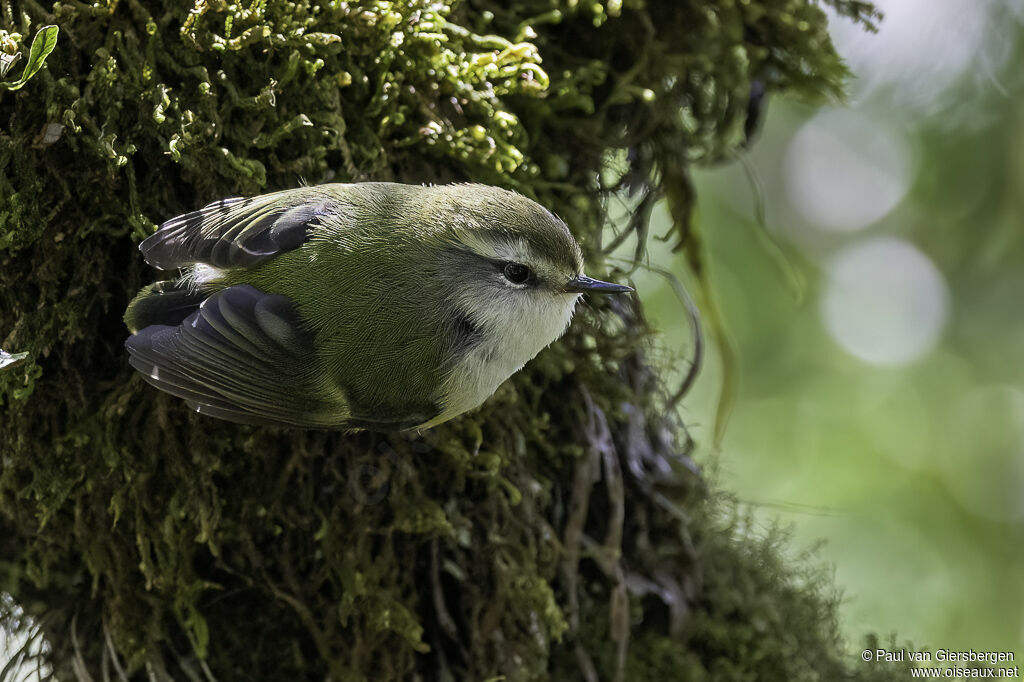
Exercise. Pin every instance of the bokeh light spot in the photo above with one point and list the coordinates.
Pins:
(845, 170)
(884, 301)
(924, 48)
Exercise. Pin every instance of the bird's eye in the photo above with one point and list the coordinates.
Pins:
(517, 273)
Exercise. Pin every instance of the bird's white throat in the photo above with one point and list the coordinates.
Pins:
(513, 330)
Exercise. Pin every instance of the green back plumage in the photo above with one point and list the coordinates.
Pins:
(360, 287)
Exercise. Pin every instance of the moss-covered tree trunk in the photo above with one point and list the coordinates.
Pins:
(558, 532)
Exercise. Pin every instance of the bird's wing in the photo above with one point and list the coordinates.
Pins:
(242, 356)
(237, 232)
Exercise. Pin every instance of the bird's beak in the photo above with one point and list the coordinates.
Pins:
(584, 285)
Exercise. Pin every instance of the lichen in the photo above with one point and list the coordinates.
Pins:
(560, 531)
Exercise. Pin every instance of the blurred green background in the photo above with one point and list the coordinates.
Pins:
(880, 405)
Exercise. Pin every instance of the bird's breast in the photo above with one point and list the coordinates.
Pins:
(507, 341)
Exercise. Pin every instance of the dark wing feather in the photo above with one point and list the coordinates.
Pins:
(242, 356)
(167, 302)
(237, 232)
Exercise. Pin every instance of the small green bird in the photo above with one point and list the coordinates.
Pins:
(372, 305)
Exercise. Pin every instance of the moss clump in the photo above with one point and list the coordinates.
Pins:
(556, 533)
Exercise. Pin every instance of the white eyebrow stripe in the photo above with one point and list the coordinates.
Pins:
(517, 250)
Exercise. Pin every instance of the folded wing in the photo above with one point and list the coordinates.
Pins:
(242, 356)
(238, 232)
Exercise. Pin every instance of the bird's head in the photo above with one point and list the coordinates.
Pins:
(520, 270)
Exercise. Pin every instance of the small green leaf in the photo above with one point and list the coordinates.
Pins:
(42, 46)
(10, 358)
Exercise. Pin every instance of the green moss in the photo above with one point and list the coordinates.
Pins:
(557, 528)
